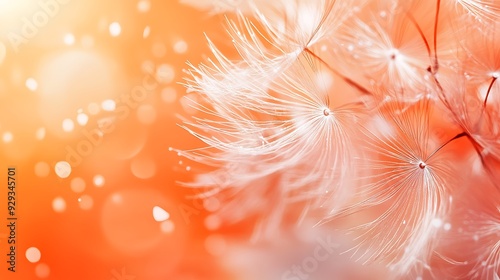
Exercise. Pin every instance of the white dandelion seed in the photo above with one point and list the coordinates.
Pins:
(485, 11)
(383, 52)
(408, 180)
(472, 95)
(480, 216)
(285, 142)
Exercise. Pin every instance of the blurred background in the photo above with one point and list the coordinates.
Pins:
(89, 92)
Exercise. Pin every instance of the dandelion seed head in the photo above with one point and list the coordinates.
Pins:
(326, 112)
(393, 54)
(422, 165)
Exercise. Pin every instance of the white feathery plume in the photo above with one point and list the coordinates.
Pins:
(473, 94)
(289, 133)
(409, 183)
(381, 49)
(481, 231)
(303, 24)
(297, 24)
(489, 230)
(485, 11)
(246, 7)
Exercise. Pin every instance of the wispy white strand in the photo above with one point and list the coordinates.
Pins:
(409, 181)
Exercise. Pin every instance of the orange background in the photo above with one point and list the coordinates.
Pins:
(52, 89)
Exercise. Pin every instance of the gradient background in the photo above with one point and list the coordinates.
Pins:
(63, 69)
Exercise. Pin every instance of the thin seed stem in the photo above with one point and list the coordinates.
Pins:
(460, 135)
(346, 79)
(422, 35)
(488, 92)
(436, 23)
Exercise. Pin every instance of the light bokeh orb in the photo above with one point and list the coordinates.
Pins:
(125, 211)
(33, 254)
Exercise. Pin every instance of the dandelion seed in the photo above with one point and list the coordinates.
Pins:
(477, 114)
(385, 50)
(485, 11)
(405, 187)
(481, 219)
(300, 142)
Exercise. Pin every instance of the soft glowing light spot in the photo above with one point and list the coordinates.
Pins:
(63, 169)
(116, 198)
(146, 32)
(159, 214)
(82, 119)
(167, 226)
(69, 39)
(31, 84)
(143, 168)
(211, 204)
(447, 226)
(437, 223)
(59, 204)
(180, 47)
(212, 222)
(86, 202)
(99, 181)
(108, 105)
(143, 6)
(7, 137)
(165, 73)
(42, 270)
(215, 245)
(146, 114)
(77, 185)
(40, 133)
(159, 50)
(495, 75)
(42, 169)
(68, 125)
(168, 95)
(115, 29)
(93, 108)
(33, 254)
(120, 222)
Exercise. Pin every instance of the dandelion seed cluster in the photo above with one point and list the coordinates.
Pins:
(376, 118)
